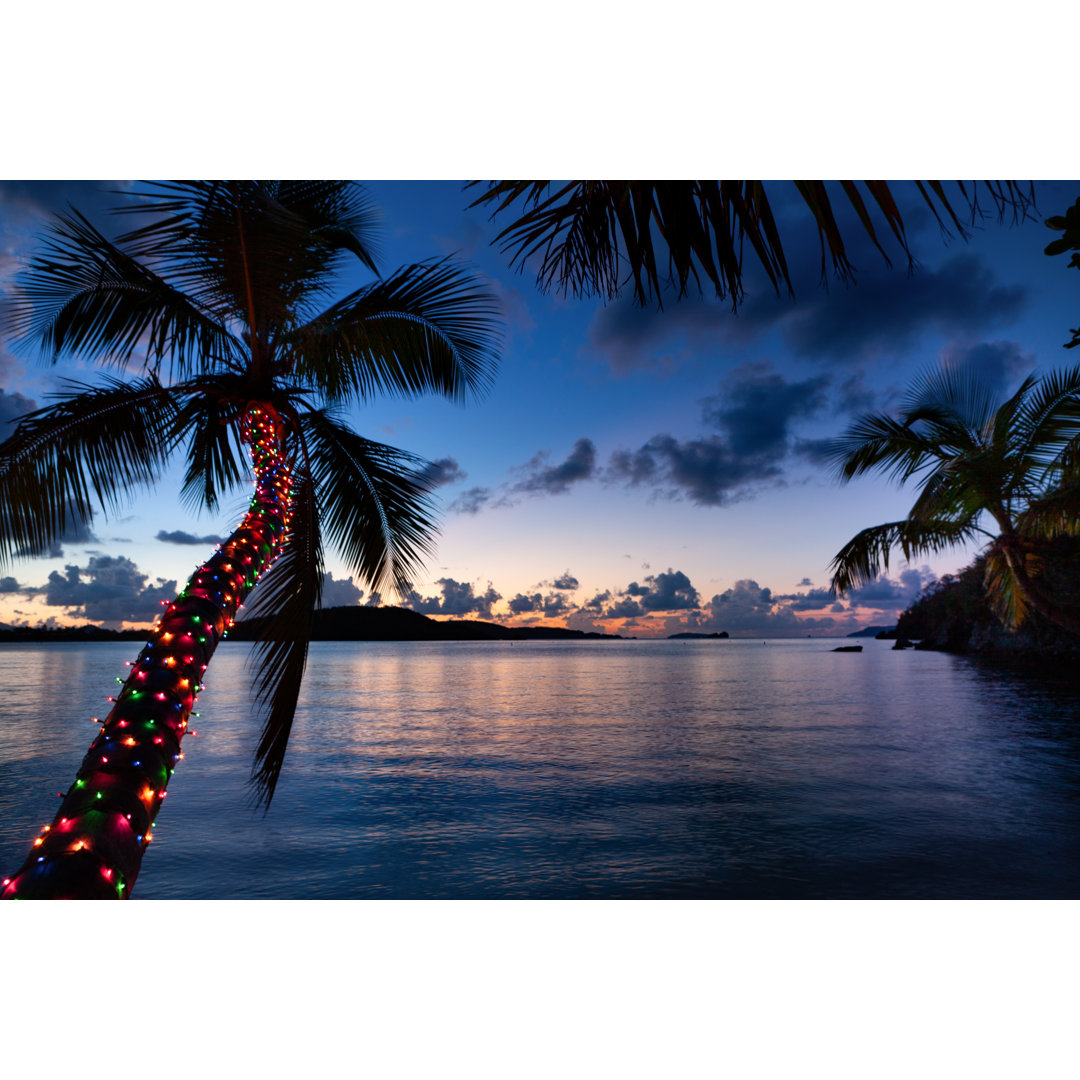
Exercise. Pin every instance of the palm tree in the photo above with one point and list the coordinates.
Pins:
(1014, 463)
(593, 236)
(225, 286)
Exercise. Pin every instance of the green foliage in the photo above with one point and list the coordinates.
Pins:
(1069, 226)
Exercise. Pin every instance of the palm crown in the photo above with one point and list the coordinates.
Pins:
(221, 294)
(1014, 462)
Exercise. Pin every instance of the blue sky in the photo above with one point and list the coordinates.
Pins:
(632, 470)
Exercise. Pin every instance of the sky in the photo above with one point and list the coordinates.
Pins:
(631, 470)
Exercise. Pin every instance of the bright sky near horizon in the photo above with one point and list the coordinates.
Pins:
(637, 471)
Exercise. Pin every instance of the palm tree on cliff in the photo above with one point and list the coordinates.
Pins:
(1014, 465)
(219, 296)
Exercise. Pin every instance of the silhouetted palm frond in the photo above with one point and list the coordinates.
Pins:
(373, 502)
(425, 328)
(84, 295)
(96, 443)
(592, 237)
(866, 555)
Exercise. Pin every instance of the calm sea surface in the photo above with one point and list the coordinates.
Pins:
(704, 769)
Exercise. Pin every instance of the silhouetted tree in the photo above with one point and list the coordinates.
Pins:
(1015, 463)
(225, 285)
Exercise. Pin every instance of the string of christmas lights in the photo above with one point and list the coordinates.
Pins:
(94, 846)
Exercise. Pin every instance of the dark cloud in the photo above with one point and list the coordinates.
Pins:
(543, 479)
(180, 537)
(668, 591)
(340, 593)
(997, 363)
(567, 581)
(12, 408)
(521, 603)
(805, 581)
(626, 608)
(705, 471)
(28, 204)
(550, 605)
(442, 472)
(632, 339)
(754, 413)
(109, 589)
(887, 313)
(9, 585)
(598, 601)
(889, 594)
(458, 598)
(814, 600)
(756, 407)
(749, 609)
(471, 501)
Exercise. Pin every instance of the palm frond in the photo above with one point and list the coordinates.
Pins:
(1055, 513)
(373, 501)
(866, 555)
(1004, 594)
(84, 295)
(424, 328)
(286, 598)
(1047, 426)
(96, 443)
(879, 441)
(259, 249)
(208, 422)
(950, 397)
(587, 231)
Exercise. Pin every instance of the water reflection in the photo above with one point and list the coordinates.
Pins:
(604, 769)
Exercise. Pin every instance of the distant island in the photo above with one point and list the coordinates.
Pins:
(876, 632)
(338, 624)
(678, 637)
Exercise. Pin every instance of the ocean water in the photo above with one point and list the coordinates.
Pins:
(592, 769)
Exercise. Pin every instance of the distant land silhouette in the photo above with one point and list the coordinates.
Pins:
(873, 631)
(679, 637)
(338, 624)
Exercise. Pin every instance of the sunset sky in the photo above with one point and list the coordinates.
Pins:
(637, 471)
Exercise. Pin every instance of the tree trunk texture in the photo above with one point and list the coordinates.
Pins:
(94, 847)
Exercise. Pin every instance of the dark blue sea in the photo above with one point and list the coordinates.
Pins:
(592, 769)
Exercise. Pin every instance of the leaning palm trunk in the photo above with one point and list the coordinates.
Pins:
(94, 847)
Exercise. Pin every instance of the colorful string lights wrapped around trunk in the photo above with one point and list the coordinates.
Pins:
(94, 847)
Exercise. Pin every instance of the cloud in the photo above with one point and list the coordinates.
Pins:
(340, 593)
(997, 363)
(458, 598)
(887, 314)
(668, 591)
(805, 581)
(9, 585)
(180, 537)
(542, 479)
(567, 581)
(756, 407)
(889, 594)
(12, 407)
(442, 472)
(753, 414)
(471, 501)
(109, 589)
